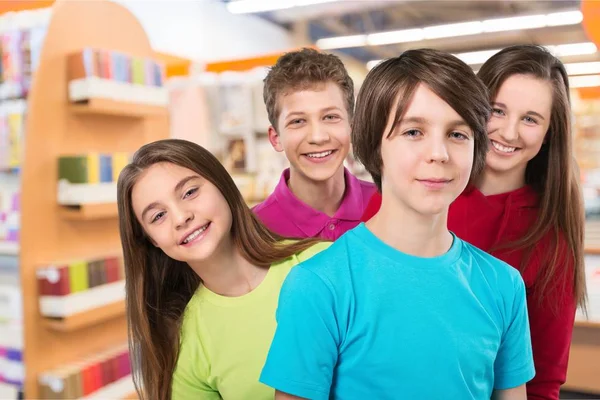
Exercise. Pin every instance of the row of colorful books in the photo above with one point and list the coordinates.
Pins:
(116, 66)
(86, 376)
(78, 276)
(92, 168)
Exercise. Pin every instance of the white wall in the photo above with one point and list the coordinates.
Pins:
(203, 30)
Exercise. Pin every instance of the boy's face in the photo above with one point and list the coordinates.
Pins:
(313, 130)
(427, 160)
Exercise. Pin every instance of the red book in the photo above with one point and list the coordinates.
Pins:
(97, 375)
(107, 371)
(87, 379)
(111, 266)
(54, 281)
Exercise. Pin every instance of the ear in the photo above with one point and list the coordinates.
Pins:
(275, 139)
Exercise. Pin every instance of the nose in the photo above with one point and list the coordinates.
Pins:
(182, 218)
(509, 131)
(438, 151)
(318, 134)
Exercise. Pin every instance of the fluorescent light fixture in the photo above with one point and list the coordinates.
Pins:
(403, 36)
(452, 30)
(584, 81)
(583, 68)
(514, 23)
(342, 42)
(257, 6)
(564, 18)
(561, 50)
(476, 57)
(574, 49)
(373, 63)
(473, 28)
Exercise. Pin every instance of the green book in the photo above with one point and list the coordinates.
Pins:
(137, 67)
(78, 276)
(73, 168)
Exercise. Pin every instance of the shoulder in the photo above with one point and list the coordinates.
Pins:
(368, 189)
(496, 272)
(191, 315)
(265, 208)
(303, 255)
(326, 261)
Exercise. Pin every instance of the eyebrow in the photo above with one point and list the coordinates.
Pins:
(326, 109)
(419, 120)
(533, 113)
(177, 188)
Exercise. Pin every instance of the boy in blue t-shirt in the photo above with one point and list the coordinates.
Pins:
(401, 307)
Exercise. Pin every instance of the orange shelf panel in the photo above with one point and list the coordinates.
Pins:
(100, 106)
(87, 318)
(88, 212)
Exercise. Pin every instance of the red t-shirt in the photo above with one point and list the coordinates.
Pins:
(490, 221)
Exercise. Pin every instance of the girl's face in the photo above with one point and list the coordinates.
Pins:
(185, 215)
(518, 126)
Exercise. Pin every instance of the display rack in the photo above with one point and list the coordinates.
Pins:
(56, 127)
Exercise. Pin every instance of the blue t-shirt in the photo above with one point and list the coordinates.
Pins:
(362, 320)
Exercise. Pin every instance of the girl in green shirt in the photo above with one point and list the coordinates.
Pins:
(202, 276)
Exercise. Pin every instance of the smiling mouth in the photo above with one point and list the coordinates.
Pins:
(321, 154)
(502, 148)
(195, 234)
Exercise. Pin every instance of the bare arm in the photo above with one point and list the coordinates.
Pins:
(518, 393)
(284, 396)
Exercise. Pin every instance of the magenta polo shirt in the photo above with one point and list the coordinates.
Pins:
(285, 214)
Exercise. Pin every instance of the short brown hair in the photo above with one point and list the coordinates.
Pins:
(299, 70)
(447, 76)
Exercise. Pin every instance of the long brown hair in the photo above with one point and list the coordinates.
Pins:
(552, 173)
(444, 74)
(159, 288)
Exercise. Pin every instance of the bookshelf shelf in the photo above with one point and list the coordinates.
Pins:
(9, 248)
(587, 324)
(89, 212)
(100, 106)
(86, 319)
(63, 330)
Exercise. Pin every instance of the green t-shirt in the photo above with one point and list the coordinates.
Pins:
(225, 340)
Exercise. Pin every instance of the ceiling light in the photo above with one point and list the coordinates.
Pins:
(403, 36)
(474, 28)
(574, 49)
(257, 6)
(561, 50)
(583, 68)
(584, 81)
(476, 57)
(452, 30)
(342, 42)
(514, 23)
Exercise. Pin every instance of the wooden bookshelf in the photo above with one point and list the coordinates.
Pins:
(89, 212)
(86, 319)
(55, 127)
(107, 107)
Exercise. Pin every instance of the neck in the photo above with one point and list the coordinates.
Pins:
(419, 235)
(325, 196)
(227, 273)
(492, 183)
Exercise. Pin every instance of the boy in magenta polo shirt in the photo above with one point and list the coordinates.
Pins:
(310, 102)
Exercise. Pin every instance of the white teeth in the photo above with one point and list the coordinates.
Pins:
(504, 149)
(320, 155)
(195, 234)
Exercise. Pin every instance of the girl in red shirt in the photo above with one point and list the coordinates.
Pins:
(526, 207)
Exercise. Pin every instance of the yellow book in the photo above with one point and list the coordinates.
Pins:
(120, 160)
(93, 163)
